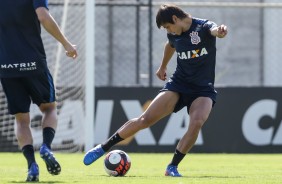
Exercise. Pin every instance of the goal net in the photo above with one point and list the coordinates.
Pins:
(70, 81)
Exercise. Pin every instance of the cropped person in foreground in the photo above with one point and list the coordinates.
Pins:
(25, 77)
(191, 85)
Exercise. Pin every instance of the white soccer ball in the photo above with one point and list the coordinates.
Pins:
(117, 163)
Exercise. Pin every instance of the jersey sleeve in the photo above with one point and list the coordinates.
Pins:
(40, 3)
(209, 25)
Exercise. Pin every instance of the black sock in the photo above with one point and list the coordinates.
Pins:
(48, 136)
(28, 153)
(177, 157)
(111, 142)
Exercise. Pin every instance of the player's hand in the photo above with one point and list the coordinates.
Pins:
(71, 51)
(221, 31)
(161, 73)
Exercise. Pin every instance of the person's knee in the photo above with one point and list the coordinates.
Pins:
(197, 123)
(22, 119)
(47, 107)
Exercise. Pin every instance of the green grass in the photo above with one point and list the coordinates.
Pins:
(149, 169)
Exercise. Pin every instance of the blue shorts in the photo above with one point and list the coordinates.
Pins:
(189, 93)
(20, 91)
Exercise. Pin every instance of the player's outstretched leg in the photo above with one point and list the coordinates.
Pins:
(171, 170)
(93, 154)
(33, 173)
(52, 165)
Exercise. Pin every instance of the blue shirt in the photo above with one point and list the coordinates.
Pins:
(196, 54)
(21, 48)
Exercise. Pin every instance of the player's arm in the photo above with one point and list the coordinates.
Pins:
(168, 53)
(51, 26)
(219, 31)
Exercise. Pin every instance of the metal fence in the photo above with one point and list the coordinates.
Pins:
(129, 46)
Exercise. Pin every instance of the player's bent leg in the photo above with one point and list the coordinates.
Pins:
(93, 155)
(52, 164)
(171, 170)
(49, 119)
(161, 106)
(33, 173)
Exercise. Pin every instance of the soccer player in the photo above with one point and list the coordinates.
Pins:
(25, 76)
(191, 85)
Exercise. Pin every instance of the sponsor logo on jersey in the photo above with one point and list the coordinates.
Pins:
(192, 53)
(195, 39)
(21, 66)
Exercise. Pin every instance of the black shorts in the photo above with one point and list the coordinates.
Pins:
(21, 91)
(189, 94)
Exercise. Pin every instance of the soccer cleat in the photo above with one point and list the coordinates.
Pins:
(52, 165)
(33, 173)
(93, 154)
(171, 170)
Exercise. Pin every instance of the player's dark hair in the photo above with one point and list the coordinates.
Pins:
(165, 13)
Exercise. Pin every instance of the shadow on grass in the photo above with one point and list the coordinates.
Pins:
(37, 182)
(213, 177)
(199, 177)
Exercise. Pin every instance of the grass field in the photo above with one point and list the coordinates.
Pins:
(149, 169)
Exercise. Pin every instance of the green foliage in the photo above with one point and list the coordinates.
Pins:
(149, 169)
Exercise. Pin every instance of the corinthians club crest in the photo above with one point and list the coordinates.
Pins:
(195, 39)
